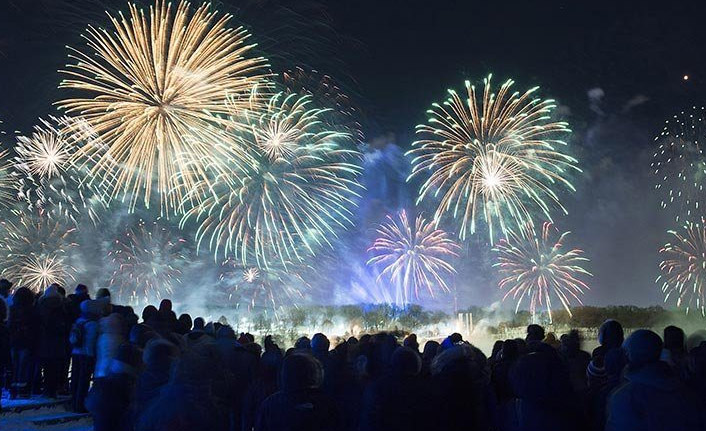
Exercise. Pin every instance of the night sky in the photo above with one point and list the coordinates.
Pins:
(397, 57)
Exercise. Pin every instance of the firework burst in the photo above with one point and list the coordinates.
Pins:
(147, 260)
(36, 249)
(539, 267)
(48, 181)
(293, 198)
(684, 267)
(413, 256)
(268, 288)
(495, 154)
(152, 90)
(680, 163)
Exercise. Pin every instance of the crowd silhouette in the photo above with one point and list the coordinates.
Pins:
(160, 372)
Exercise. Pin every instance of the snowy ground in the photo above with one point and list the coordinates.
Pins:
(39, 413)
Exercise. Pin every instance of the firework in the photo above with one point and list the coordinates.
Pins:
(294, 197)
(262, 288)
(539, 267)
(36, 249)
(684, 267)
(152, 89)
(680, 163)
(413, 256)
(7, 180)
(48, 180)
(147, 260)
(501, 159)
(327, 94)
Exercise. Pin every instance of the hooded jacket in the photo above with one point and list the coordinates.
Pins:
(111, 335)
(653, 399)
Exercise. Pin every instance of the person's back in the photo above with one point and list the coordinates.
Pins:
(652, 398)
(111, 334)
(545, 401)
(300, 405)
(399, 400)
(461, 378)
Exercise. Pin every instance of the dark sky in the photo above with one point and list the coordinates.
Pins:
(399, 56)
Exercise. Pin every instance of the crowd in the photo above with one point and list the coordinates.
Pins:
(160, 372)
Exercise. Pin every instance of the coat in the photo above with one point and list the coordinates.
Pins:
(653, 399)
(111, 334)
(53, 322)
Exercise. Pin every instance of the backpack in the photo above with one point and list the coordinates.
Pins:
(78, 333)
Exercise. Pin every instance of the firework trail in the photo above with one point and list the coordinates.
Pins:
(270, 288)
(680, 163)
(148, 261)
(537, 268)
(413, 256)
(684, 267)
(499, 155)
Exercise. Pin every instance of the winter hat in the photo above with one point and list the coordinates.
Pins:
(406, 361)
(535, 333)
(103, 293)
(303, 343)
(319, 343)
(199, 324)
(643, 347)
(127, 361)
(225, 332)
(92, 307)
(411, 342)
(610, 334)
(674, 339)
(301, 371)
(149, 312)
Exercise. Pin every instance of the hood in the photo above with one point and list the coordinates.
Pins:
(93, 307)
(112, 324)
(655, 375)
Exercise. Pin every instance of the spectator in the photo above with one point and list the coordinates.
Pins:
(111, 334)
(300, 405)
(53, 333)
(652, 398)
(24, 331)
(83, 338)
(534, 333)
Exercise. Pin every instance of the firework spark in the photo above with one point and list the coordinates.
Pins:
(413, 256)
(153, 89)
(502, 158)
(147, 260)
(7, 181)
(326, 93)
(36, 249)
(269, 288)
(292, 199)
(48, 180)
(684, 267)
(538, 268)
(680, 163)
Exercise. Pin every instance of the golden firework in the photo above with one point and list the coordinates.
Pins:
(153, 91)
(495, 154)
